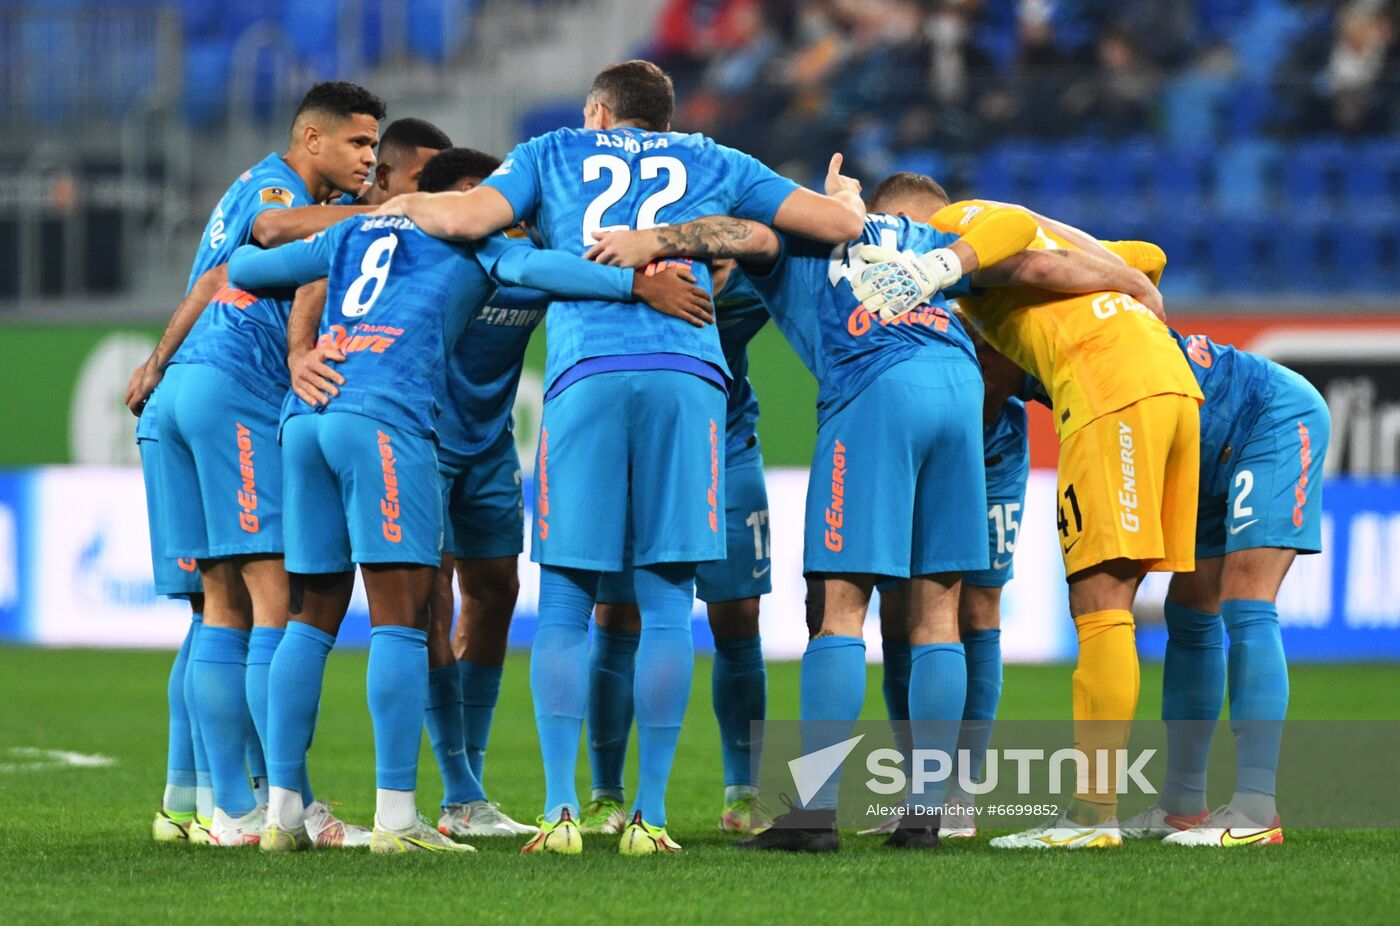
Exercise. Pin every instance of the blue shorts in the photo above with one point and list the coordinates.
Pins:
(1275, 487)
(630, 458)
(483, 509)
(359, 491)
(898, 485)
(220, 466)
(1007, 471)
(746, 572)
(175, 577)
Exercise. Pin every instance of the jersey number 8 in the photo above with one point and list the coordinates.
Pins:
(620, 181)
(374, 273)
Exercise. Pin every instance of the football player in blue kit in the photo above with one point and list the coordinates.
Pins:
(731, 587)
(634, 405)
(1006, 457)
(877, 503)
(217, 495)
(1264, 437)
(362, 481)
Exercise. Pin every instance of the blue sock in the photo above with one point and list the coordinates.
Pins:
(219, 666)
(937, 697)
(833, 690)
(179, 756)
(612, 657)
(896, 690)
(204, 784)
(448, 738)
(397, 688)
(481, 688)
(739, 690)
(661, 683)
(262, 644)
(296, 673)
(559, 678)
(1193, 687)
(982, 649)
(1258, 673)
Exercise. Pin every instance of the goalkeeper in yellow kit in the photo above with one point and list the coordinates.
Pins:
(1126, 412)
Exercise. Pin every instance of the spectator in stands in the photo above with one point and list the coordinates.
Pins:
(1360, 77)
(1120, 99)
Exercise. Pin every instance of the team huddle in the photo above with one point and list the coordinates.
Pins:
(334, 394)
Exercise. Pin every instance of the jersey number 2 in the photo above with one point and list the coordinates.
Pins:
(620, 181)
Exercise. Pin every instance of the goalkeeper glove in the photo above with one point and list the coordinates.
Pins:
(895, 282)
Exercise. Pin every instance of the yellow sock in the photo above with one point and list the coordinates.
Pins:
(1105, 697)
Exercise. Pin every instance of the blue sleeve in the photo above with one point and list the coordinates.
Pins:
(518, 179)
(521, 297)
(791, 289)
(517, 262)
(756, 191)
(294, 264)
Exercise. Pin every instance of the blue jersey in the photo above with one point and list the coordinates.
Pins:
(397, 299)
(1004, 443)
(808, 293)
(245, 334)
(739, 314)
(571, 183)
(269, 184)
(483, 372)
(1234, 384)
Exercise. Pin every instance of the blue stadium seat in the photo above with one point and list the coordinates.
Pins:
(206, 81)
(1313, 172)
(1177, 177)
(548, 117)
(313, 26)
(1239, 252)
(1244, 173)
(437, 28)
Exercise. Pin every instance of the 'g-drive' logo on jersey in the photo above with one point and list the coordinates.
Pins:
(1108, 305)
(861, 321)
(374, 338)
(248, 493)
(389, 504)
(835, 513)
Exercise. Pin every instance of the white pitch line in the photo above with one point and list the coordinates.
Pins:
(40, 759)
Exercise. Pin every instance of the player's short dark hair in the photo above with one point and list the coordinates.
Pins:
(340, 99)
(638, 92)
(409, 133)
(451, 166)
(905, 183)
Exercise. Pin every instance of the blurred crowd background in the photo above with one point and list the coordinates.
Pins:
(1249, 137)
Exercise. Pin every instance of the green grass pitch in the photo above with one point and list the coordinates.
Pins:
(75, 843)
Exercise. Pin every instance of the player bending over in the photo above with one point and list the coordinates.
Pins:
(1006, 456)
(1126, 413)
(1264, 436)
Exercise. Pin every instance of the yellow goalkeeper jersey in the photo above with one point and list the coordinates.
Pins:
(1095, 353)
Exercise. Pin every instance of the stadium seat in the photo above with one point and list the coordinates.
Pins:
(1243, 175)
(549, 116)
(206, 82)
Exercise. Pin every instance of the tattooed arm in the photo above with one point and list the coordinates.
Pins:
(714, 236)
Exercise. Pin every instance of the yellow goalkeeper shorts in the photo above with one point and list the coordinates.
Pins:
(1127, 487)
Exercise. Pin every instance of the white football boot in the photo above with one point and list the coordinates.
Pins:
(230, 832)
(1227, 828)
(1063, 834)
(329, 831)
(480, 818)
